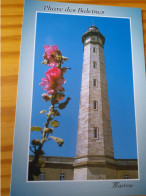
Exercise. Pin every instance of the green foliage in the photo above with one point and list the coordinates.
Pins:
(41, 163)
(63, 105)
(58, 140)
(35, 128)
(54, 123)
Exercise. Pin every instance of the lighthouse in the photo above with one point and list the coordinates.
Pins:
(94, 150)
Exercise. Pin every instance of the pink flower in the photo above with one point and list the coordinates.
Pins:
(53, 81)
(53, 74)
(50, 55)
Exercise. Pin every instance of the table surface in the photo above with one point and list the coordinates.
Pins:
(11, 26)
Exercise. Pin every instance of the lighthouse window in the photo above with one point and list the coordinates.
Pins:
(94, 50)
(95, 105)
(96, 133)
(94, 82)
(62, 176)
(94, 64)
(93, 38)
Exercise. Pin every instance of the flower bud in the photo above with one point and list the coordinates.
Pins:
(35, 142)
(62, 90)
(58, 52)
(44, 62)
(60, 96)
(64, 58)
(43, 111)
(46, 97)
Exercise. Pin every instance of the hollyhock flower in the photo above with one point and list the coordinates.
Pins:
(53, 81)
(53, 74)
(51, 55)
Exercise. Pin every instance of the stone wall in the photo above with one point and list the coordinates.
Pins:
(82, 135)
(95, 168)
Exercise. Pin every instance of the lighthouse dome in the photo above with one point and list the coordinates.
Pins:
(93, 28)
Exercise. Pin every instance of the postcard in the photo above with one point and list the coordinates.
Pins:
(80, 124)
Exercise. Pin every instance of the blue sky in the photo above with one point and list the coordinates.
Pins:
(66, 32)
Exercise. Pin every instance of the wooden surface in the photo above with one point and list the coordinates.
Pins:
(11, 26)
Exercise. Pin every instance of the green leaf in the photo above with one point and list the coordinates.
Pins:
(43, 111)
(58, 140)
(63, 105)
(54, 123)
(35, 128)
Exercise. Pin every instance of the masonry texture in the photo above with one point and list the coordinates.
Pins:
(90, 118)
(94, 150)
(94, 109)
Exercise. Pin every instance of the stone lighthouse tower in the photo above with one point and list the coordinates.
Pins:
(94, 150)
